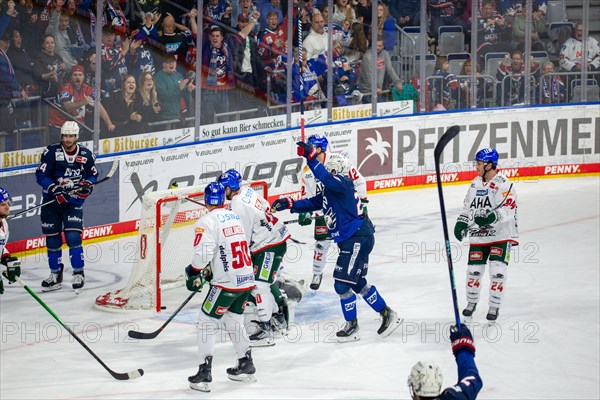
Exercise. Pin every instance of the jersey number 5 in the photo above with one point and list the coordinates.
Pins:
(240, 254)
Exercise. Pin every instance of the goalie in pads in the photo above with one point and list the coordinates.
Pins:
(491, 207)
(221, 257)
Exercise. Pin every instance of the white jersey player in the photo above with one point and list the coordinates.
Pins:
(11, 263)
(221, 256)
(310, 188)
(491, 208)
(268, 243)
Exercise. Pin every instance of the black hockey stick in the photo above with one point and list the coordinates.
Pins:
(294, 221)
(109, 175)
(152, 335)
(437, 153)
(117, 375)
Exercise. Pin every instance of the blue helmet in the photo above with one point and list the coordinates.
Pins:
(318, 141)
(214, 194)
(487, 155)
(4, 196)
(230, 179)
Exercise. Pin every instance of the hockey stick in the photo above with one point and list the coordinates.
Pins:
(300, 57)
(109, 175)
(437, 153)
(117, 375)
(152, 335)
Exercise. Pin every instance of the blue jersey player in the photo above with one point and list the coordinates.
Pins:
(67, 174)
(425, 379)
(354, 235)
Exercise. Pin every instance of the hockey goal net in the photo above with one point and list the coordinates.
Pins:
(165, 247)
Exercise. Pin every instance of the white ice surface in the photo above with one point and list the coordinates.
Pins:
(545, 345)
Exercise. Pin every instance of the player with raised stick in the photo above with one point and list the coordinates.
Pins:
(67, 173)
(221, 257)
(268, 243)
(354, 235)
(311, 187)
(491, 204)
(10, 262)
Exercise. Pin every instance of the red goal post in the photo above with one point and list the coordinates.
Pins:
(165, 240)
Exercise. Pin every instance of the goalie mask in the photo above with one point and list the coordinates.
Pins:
(214, 194)
(337, 164)
(425, 379)
(70, 128)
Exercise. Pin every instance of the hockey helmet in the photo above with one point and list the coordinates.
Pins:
(4, 196)
(214, 194)
(230, 179)
(70, 128)
(487, 155)
(425, 379)
(337, 164)
(318, 141)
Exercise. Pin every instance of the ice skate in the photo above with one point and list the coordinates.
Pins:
(469, 310)
(54, 281)
(78, 281)
(244, 371)
(349, 333)
(492, 314)
(316, 282)
(263, 337)
(389, 322)
(201, 380)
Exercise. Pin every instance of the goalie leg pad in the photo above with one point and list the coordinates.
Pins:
(498, 271)
(320, 256)
(473, 284)
(73, 239)
(54, 244)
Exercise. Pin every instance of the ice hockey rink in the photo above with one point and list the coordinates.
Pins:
(544, 346)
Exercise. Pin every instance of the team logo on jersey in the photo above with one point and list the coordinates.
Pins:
(481, 192)
(374, 149)
(496, 251)
(59, 156)
(476, 256)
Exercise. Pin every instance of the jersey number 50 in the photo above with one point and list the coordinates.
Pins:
(240, 254)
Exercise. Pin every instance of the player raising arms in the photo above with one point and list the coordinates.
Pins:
(12, 264)
(425, 379)
(67, 173)
(267, 237)
(221, 256)
(491, 203)
(354, 235)
(310, 188)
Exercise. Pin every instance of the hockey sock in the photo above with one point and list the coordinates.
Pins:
(73, 239)
(54, 244)
(320, 256)
(474, 272)
(264, 301)
(207, 330)
(234, 325)
(373, 298)
(498, 271)
(276, 294)
(348, 302)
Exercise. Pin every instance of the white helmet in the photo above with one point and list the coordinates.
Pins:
(338, 163)
(70, 128)
(425, 379)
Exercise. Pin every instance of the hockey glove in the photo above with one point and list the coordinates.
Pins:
(305, 219)
(306, 150)
(461, 339)
(364, 202)
(59, 193)
(193, 279)
(85, 189)
(13, 268)
(282, 204)
(460, 227)
(487, 220)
